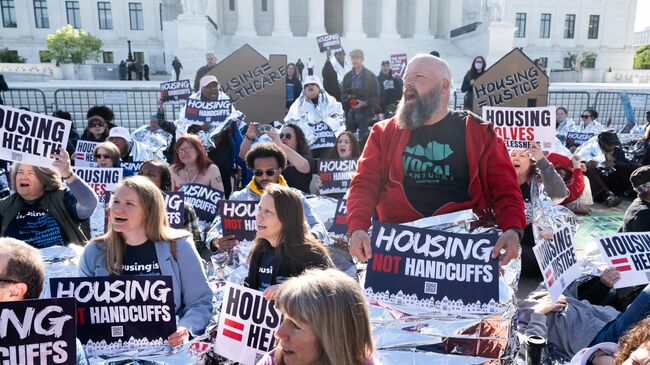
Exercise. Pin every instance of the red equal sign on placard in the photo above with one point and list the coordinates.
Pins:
(80, 156)
(620, 261)
(549, 277)
(229, 328)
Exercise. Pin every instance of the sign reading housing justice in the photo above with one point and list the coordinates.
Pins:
(442, 271)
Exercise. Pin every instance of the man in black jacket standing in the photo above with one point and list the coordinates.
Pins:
(359, 96)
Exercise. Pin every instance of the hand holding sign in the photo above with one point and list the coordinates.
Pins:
(360, 245)
(62, 162)
(179, 337)
(536, 151)
(509, 243)
(609, 277)
(225, 243)
(545, 305)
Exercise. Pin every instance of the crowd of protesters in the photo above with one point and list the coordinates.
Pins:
(290, 260)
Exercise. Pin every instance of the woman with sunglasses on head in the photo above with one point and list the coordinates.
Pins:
(283, 247)
(589, 123)
(139, 241)
(475, 71)
(99, 123)
(192, 164)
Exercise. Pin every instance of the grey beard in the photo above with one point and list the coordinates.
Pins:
(414, 116)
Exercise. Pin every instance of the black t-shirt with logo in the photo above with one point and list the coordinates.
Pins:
(36, 227)
(265, 271)
(141, 260)
(436, 171)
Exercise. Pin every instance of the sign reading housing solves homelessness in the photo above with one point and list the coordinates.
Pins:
(519, 127)
(442, 271)
(30, 137)
(203, 198)
(629, 253)
(174, 91)
(557, 261)
(336, 175)
(40, 331)
(115, 313)
(246, 325)
(238, 218)
(101, 179)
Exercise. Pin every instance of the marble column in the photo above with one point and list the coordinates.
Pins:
(281, 26)
(245, 18)
(316, 18)
(422, 13)
(388, 19)
(353, 18)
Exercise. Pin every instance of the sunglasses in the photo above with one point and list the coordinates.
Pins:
(585, 116)
(269, 172)
(101, 155)
(95, 124)
(285, 135)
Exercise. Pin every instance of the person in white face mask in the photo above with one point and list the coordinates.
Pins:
(476, 70)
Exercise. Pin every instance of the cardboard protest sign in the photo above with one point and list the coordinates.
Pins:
(119, 313)
(398, 64)
(238, 218)
(336, 175)
(254, 84)
(340, 224)
(31, 137)
(246, 325)
(557, 261)
(133, 166)
(441, 271)
(40, 331)
(101, 179)
(520, 127)
(175, 209)
(577, 138)
(328, 42)
(207, 111)
(175, 91)
(204, 199)
(83, 155)
(513, 81)
(324, 135)
(629, 253)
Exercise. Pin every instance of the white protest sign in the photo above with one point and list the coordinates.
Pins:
(557, 261)
(101, 179)
(519, 127)
(629, 254)
(247, 324)
(31, 138)
(638, 101)
(83, 155)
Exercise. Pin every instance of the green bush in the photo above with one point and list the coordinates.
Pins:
(642, 58)
(9, 56)
(69, 45)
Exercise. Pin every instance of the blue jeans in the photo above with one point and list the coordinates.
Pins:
(358, 118)
(635, 312)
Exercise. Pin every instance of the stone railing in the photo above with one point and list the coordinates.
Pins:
(37, 68)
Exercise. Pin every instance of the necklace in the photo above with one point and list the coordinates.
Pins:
(187, 177)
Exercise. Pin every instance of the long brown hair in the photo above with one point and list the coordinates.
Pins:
(333, 305)
(202, 159)
(294, 236)
(354, 144)
(156, 224)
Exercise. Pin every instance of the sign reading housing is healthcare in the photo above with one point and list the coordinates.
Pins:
(31, 137)
(336, 175)
(207, 111)
(238, 218)
(175, 91)
(629, 254)
(83, 155)
(101, 179)
(520, 127)
(557, 261)
(115, 313)
(441, 271)
(246, 325)
(40, 331)
(328, 42)
(203, 198)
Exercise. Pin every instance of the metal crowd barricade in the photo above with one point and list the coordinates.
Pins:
(574, 101)
(34, 99)
(608, 104)
(132, 108)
